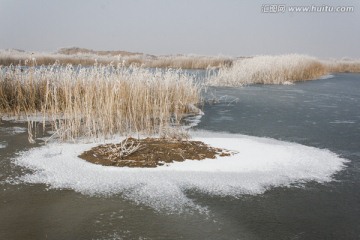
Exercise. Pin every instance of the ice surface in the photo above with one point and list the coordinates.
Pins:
(328, 76)
(192, 121)
(17, 130)
(343, 122)
(260, 163)
(13, 130)
(21, 119)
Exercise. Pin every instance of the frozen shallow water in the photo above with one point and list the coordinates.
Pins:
(260, 163)
(12, 130)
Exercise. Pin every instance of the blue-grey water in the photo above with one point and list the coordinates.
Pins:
(323, 113)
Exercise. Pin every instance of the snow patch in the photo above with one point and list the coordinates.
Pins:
(192, 121)
(13, 130)
(288, 83)
(3, 145)
(328, 76)
(261, 163)
(343, 122)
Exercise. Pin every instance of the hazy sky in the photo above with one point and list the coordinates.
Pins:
(227, 27)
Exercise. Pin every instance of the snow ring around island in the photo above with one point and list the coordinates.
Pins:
(261, 163)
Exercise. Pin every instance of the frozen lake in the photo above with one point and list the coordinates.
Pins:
(289, 191)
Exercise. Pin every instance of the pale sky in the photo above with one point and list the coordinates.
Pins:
(205, 27)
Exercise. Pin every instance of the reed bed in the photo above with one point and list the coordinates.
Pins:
(18, 57)
(281, 69)
(190, 62)
(343, 65)
(86, 57)
(99, 101)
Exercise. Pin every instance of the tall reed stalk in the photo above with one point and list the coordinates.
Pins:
(98, 101)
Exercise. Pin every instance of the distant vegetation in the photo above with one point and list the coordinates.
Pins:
(282, 69)
(344, 65)
(77, 51)
(87, 57)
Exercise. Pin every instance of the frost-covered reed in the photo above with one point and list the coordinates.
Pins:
(343, 65)
(88, 57)
(269, 70)
(98, 101)
(190, 62)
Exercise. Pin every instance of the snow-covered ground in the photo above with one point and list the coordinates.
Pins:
(260, 163)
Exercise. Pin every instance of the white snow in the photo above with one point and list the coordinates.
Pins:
(3, 145)
(13, 130)
(17, 130)
(36, 117)
(192, 121)
(327, 76)
(288, 83)
(260, 163)
(343, 122)
(23, 118)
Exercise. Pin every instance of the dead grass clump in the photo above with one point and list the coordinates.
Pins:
(153, 152)
(175, 133)
(120, 151)
(99, 101)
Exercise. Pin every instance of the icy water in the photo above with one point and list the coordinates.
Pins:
(323, 114)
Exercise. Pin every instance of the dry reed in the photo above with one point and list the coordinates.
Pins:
(343, 65)
(99, 101)
(86, 57)
(283, 69)
(269, 70)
